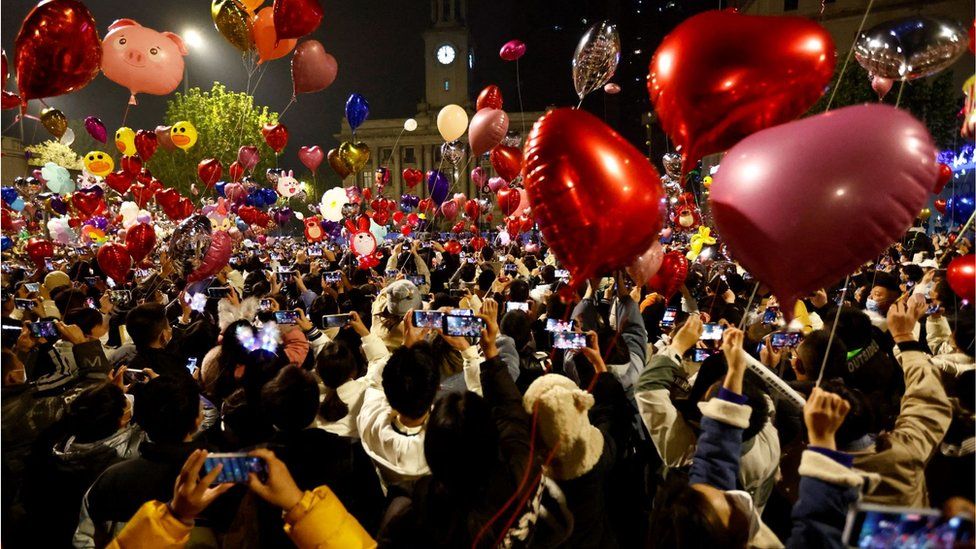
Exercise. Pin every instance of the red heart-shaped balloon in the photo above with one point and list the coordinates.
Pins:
(596, 198)
(508, 200)
(452, 247)
(406, 230)
(39, 249)
(507, 161)
(168, 198)
(398, 217)
(945, 174)
(513, 226)
(490, 98)
(671, 275)
(145, 177)
(119, 181)
(181, 209)
(426, 205)
(720, 76)
(114, 260)
(472, 210)
(376, 205)
(87, 204)
(961, 276)
(146, 144)
(142, 194)
(940, 206)
(311, 157)
(412, 176)
(209, 170)
(140, 239)
(478, 243)
(381, 218)
(249, 214)
(276, 135)
(458, 227)
(296, 18)
(235, 171)
(131, 165)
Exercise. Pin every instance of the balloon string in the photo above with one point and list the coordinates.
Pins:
(518, 87)
(288, 106)
(742, 322)
(833, 330)
(393, 151)
(125, 113)
(258, 83)
(958, 238)
(901, 89)
(850, 52)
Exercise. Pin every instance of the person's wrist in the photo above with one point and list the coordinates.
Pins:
(823, 441)
(290, 499)
(903, 337)
(179, 515)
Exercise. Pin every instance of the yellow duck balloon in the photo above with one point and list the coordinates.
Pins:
(99, 163)
(125, 141)
(183, 135)
(698, 241)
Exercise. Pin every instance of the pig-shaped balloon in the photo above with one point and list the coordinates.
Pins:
(142, 59)
(287, 185)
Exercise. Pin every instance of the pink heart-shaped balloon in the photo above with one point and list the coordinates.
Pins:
(799, 223)
(496, 183)
(479, 176)
(248, 156)
(450, 209)
(311, 157)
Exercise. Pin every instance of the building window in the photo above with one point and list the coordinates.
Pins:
(409, 155)
(791, 5)
(447, 84)
(385, 154)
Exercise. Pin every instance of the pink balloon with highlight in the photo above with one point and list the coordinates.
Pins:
(512, 50)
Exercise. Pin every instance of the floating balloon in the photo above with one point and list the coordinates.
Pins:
(910, 47)
(38, 250)
(354, 156)
(114, 261)
(453, 152)
(880, 85)
(452, 121)
(312, 68)
(961, 276)
(357, 110)
(296, 18)
(512, 50)
(647, 264)
(720, 76)
(671, 274)
(57, 50)
(479, 177)
(596, 58)
(146, 144)
(141, 59)
(57, 178)
(412, 177)
(331, 204)
(266, 39)
(758, 193)
(338, 165)
(287, 186)
(311, 157)
(611, 89)
(54, 121)
(410, 124)
(209, 170)
(189, 244)
(945, 175)
(98, 163)
(488, 128)
(507, 161)
(490, 98)
(96, 129)
(596, 198)
(183, 135)
(437, 186)
(276, 136)
(9, 100)
(233, 23)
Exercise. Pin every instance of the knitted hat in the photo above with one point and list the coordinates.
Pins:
(564, 425)
(403, 297)
(56, 279)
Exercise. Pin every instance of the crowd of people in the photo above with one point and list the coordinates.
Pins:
(530, 413)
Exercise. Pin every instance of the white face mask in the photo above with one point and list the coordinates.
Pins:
(872, 305)
(743, 502)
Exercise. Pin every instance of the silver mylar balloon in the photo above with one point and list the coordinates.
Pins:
(672, 165)
(596, 58)
(453, 152)
(512, 139)
(910, 48)
(350, 209)
(189, 244)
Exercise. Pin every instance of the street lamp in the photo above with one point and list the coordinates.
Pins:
(194, 40)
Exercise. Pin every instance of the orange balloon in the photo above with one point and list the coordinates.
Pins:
(251, 5)
(265, 37)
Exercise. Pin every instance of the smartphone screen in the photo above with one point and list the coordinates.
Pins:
(45, 329)
(933, 309)
(91, 280)
(32, 287)
(191, 364)
(712, 331)
(218, 292)
(428, 319)
(667, 321)
(557, 325)
(516, 306)
(143, 273)
(135, 376)
(24, 304)
(701, 355)
(462, 312)
(418, 280)
(266, 304)
(511, 268)
(769, 317)
(465, 326)
(784, 339)
(392, 273)
(286, 317)
(884, 526)
(48, 265)
(314, 252)
(118, 297)
(332, 277)
(90, 303)
(568, 340)
(236, 468)
(335, 321)
(562, 274)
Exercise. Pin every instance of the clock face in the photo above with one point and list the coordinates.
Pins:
(445, 54)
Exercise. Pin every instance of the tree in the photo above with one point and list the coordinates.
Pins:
(53, 151)
(225, 121)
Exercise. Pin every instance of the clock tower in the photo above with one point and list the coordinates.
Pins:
(446, 54)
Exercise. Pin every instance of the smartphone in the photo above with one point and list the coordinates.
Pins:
(785, 339)
(191, 364)
(472, 259)
(91, 281)
(516, 306)
(562, 274)
(12, 328)
(33, 287)
(24, 304)
(285, 273)
(314, 252)
(44, 328)
(143, 273)
(933, 309)
(667, 321)
(418, 280)
(90, 303)
(557, 325)
(118, 297)
(286, 317)
(462, 312)
(218, 292)
(335, 321)
(333, 277)
(511, 268)
(568, 340)
(266, 305)
(712, 331)
(275, 256)
(237, 466)
(135, 376)
(391, 273)
(884, 526)
(428, 319)
(457, 292)
(462, 325)
(48, 265)
(426, 244)
(769, 317)
(700, 355)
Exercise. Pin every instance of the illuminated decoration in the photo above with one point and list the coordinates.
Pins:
(960, 160)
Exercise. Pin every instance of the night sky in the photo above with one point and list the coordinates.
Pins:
(379, 48)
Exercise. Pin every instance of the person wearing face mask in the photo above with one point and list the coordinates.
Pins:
(884, 292)
(153, 339)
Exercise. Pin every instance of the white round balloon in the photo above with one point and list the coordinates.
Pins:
(410, 124)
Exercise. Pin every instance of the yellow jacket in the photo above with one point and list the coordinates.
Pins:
(318, 520)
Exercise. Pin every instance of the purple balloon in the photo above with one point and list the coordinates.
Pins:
(803, 204)
(409, 201)
(96, 129)
(282, 216)
(332, 228)
(437, 186)
(58, 205)
(98, 222)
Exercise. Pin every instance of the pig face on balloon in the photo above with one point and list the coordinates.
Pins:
(685, 217)
(142, 59)
(287, 185)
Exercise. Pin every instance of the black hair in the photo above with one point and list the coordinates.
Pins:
(966, 390)
(811, 352)
(335, 365)
(410, 380)
(963, 332)
(461, 437)
(518, 290)
(913, 272)
(167, 408)
(486, 279)
(853, 327)
(518, 326)
(67, 298)
(548, 274)
(145, 323)
(683, 517)
(96, 412)
(291, 399)
(85, 318)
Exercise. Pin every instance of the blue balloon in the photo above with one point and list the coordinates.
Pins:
(9, 194)
(241, 225)
(270, 196)
(219, 187)
(256, 199)
(357, 110)
(959, 208)
(437, 186)
(17, 205)
(6, 243)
